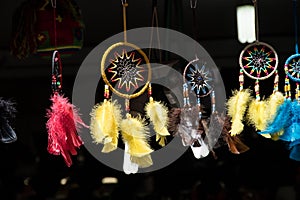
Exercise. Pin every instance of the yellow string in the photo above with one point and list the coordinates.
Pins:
(124, 21)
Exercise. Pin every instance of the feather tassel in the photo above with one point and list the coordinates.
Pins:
(294, 148)
(292, 131)
(62, 125)
(273, 103)
(215, 128)
(237, 105)
(174, 120)
(235, 144)
(7, 113)
(257, 114)
(135, 133)
(105, 124)
(188, 128)
(281, 119)
(158, 114)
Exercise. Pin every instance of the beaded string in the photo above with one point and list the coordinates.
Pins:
(199, 106)
(149, 90)
(213, 102)
(256, 89)
(276, 81)
(186, 99)
(287, 88)
(106, 91)
(241, 79)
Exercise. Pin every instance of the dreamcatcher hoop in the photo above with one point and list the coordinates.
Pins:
(292, 67)
(200, 78)
(103, 74)
(258, 60)
(292, 64)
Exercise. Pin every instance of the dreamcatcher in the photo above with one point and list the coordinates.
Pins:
(128, 75)
(286, 124)
(259, 62)
(7, 114)
(201, 126)
(63, 118)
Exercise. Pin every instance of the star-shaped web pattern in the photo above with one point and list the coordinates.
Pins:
(126, 70)
(259, 61)
(293, 67)
(199, 79)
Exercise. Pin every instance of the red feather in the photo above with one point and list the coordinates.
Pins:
(62, 125)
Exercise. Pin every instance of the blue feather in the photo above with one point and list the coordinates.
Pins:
(292, 132)
(282, 119)
(295, 153)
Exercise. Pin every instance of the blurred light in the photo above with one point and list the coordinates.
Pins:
(26, 181)
(246, 23)
(109, 180)
(64, 181)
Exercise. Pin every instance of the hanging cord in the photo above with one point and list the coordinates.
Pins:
(295, 24)
(155, 23)
(53, 3)
(56, 73)
(193, 4)
(256, 20)
(124, 4)
(56, 61)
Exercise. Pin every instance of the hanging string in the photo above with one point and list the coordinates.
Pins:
(125, 4)
(155, 23)
(53, 3)
(193, 4)
(295, 24)
(256, 19)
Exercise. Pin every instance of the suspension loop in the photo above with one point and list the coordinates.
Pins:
(53, 3)
(295, 25)
(256, 20)
(124, 2)
(193, 3)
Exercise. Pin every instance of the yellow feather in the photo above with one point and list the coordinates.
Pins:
(135, 133)
(237, 105)
(105, 121)
(274, 101)
(257, 114)
(142, 162)
(158, 114)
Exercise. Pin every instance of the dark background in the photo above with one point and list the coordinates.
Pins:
(256, 174)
